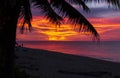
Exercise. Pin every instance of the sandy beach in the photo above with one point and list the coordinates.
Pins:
(48, 64)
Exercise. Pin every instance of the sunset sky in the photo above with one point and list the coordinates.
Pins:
(105, 20)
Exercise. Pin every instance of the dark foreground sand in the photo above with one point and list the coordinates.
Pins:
(46, 64)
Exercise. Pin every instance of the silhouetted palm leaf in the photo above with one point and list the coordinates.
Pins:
(74, 16)
(48, 11)
(115, 3)
(81, 3)
(26, 14)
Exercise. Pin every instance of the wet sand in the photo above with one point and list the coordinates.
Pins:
(48, 64)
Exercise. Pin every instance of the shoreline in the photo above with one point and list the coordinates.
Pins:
(105, 50)
(49, 64)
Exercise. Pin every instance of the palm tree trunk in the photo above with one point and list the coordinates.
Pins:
(8, 36)
(9, 53)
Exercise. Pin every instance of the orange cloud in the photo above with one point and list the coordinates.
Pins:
(51, 31)
(44, 30)
(108, 28)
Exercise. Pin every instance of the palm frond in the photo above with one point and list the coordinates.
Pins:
(45, 7)
(75, 16)
(26, 13)
(115, 3)
(81, 3)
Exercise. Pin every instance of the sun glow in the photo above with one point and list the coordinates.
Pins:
(58, 35)
(54, 38)
(53, 32)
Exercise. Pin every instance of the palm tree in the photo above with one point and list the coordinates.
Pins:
(12, 10)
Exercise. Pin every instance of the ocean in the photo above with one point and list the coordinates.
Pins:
(105, 50)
